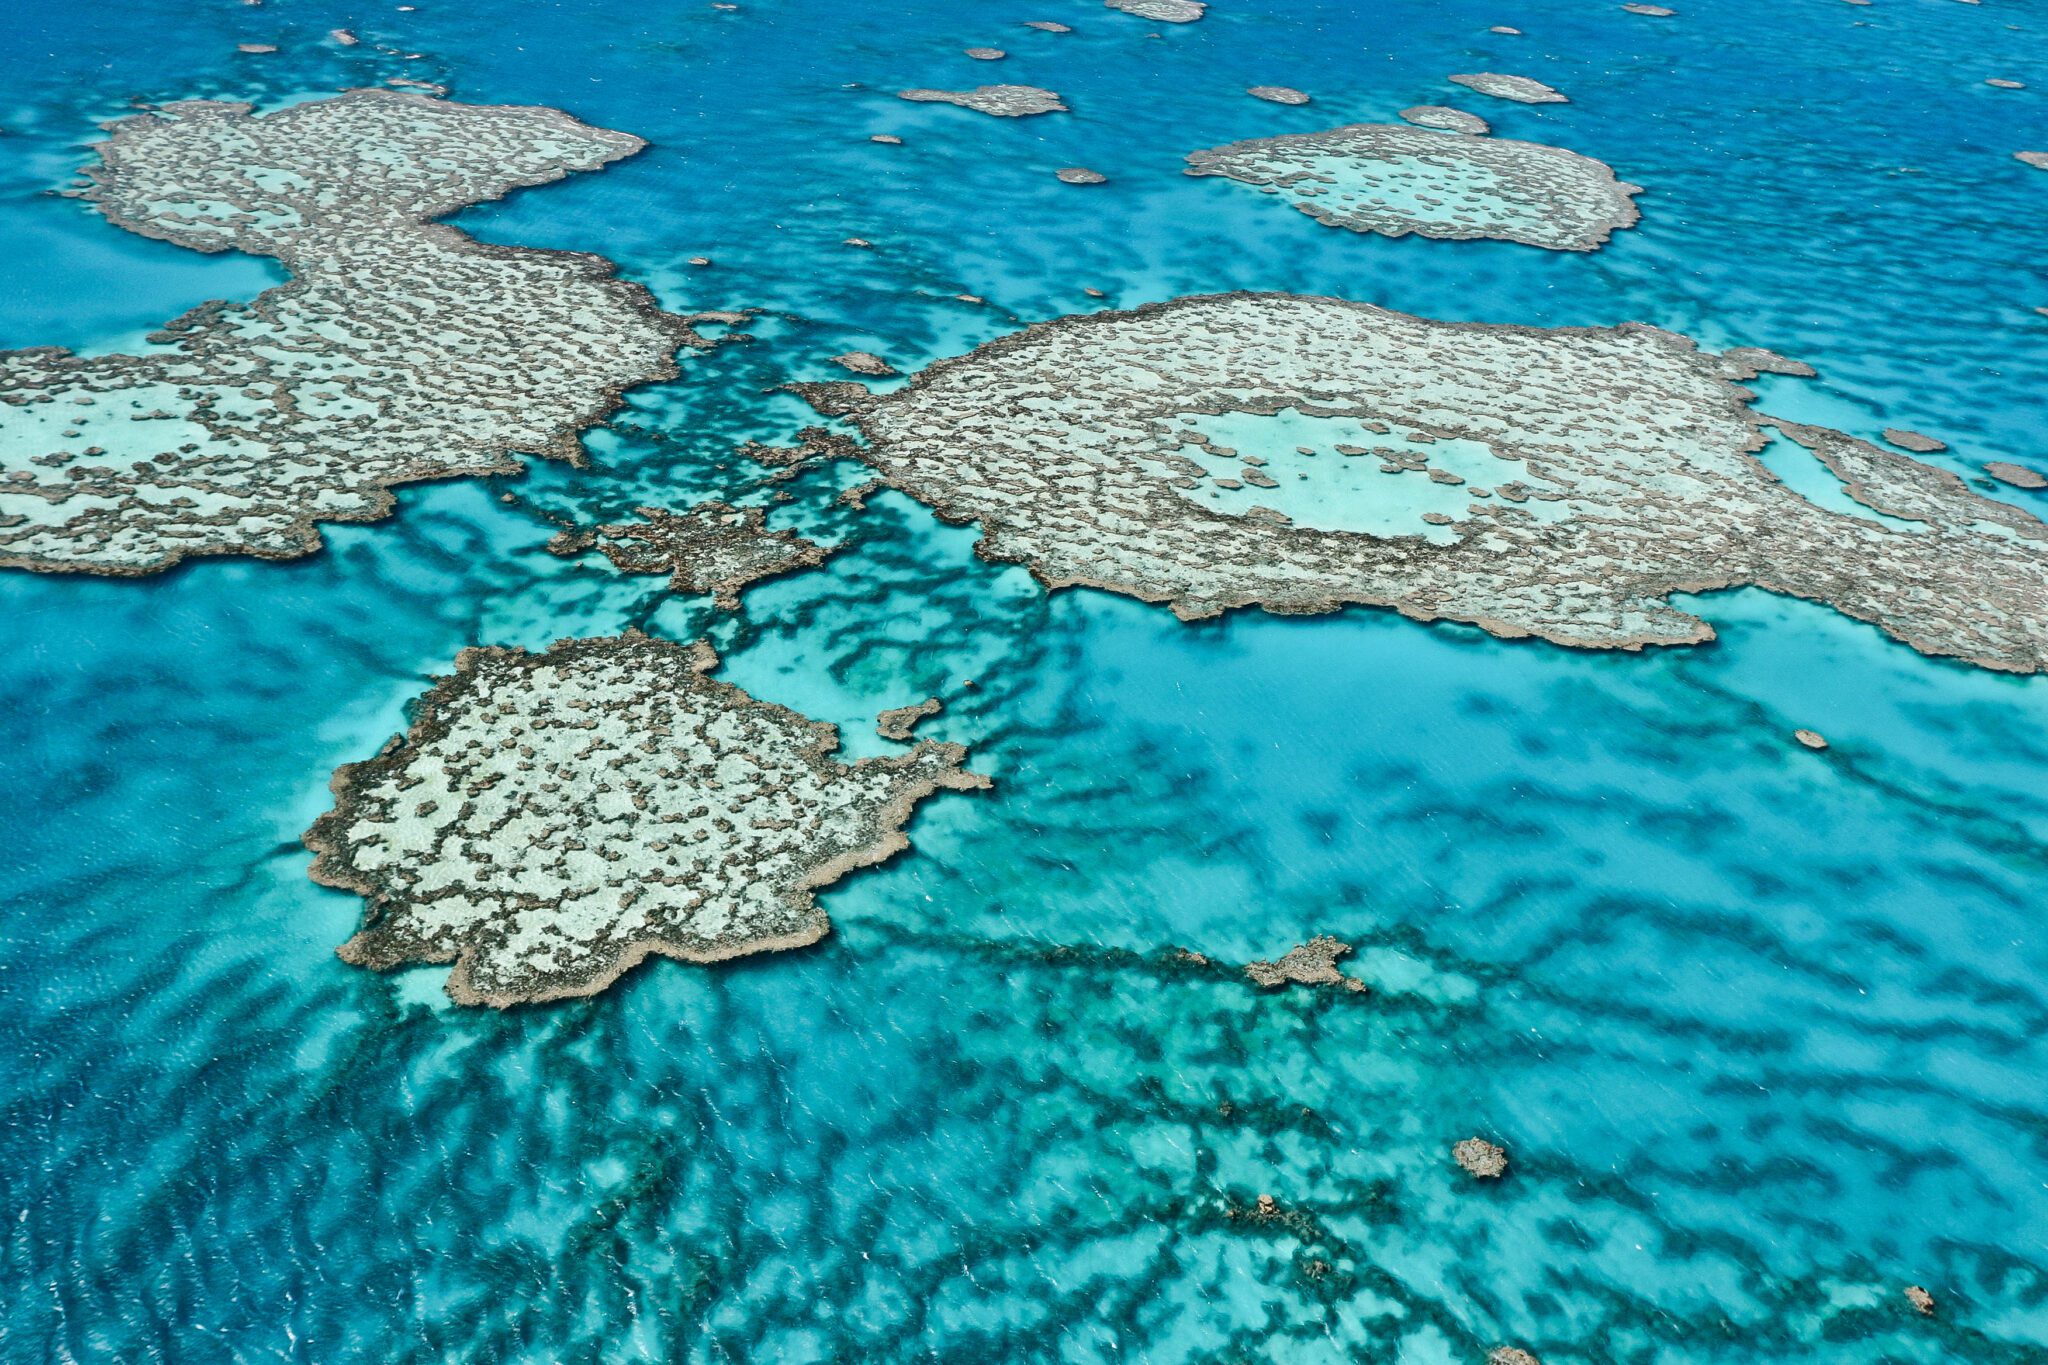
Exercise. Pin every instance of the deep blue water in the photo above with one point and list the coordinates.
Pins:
(1765, 1030)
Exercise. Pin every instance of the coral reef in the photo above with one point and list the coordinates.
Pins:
(1394, 180)
(1581, 476)
(901, 722)
(551, 819)
(1480, 1158)
(711, 550)
(1003, 101)
(1913, 441)
(1313, 963)
(1446, 119)
(1163, 11)
(400, 350)
(1521, 89)
(864, 362)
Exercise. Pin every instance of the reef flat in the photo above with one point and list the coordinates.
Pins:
(1161, 11)
(1313, 963)
(1521, 89)
(400, 350)
(2018, 475)
(712, 549)
(1301, 453)
(1393, 180)
(551, 819)
(900, 722)
(1002, 101)
(1446, 119)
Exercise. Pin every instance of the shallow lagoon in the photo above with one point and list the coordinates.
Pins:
(1762, 1029)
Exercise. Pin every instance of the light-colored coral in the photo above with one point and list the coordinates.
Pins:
(900, 722)
(1446, 119)
(1278, 94)
(1393, 179)
(1913, 441)
(400, 350)
(1081, 175)
(1161, 11)
(1521, 89)
(711, 550)
(1004, 101)
(1313, 963)
(1583, 475)
(2018, 475)
(2037, 159)
(1481, 1158)
(551, 819)
(864, 362)
(1922, 1301)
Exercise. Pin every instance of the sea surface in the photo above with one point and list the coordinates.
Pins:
(1764, 1030)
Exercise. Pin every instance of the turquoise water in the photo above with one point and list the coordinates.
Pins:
(1326, 473)
(1763, 1029)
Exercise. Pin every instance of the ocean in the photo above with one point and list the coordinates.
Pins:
(1763, 1029)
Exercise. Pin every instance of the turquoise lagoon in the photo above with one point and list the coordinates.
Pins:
(1763, 1029)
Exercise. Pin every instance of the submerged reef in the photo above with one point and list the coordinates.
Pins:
(900, 722)
(1446, 119)
(1278, 94)
(1301, 453)
(711, 550)
(1521, 89)
(1313, 963)
(400, 350)
(1393, 179)
(1480, 1158)
(864, 362)
(1162, 11)
(551, 819)
(1004, 101)
(1913, 441)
